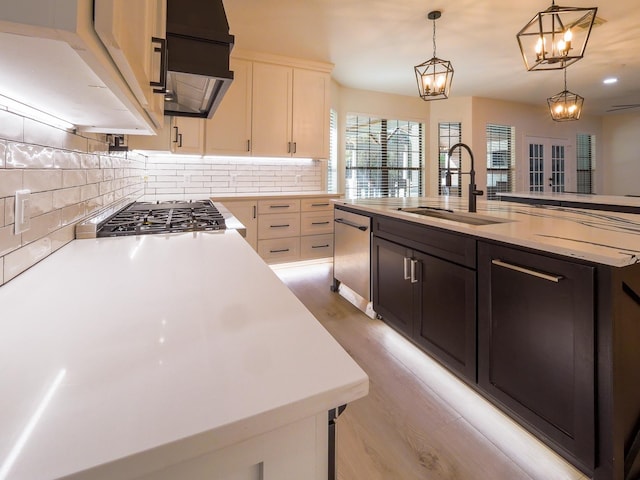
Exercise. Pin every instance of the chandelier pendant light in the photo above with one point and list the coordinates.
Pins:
(434, 76)
(556, 37)
(565, 106)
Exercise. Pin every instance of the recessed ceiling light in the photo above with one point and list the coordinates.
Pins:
(610, 80)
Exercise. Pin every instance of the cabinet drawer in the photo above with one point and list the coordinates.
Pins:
(450, 246)
(316, 246)
(278, 225)
(280, 249)
(312, 223)
(314, 204)
(281, 205)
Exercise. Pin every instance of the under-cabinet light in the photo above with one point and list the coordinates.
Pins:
(20, 108)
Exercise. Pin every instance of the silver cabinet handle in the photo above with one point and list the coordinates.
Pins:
(413, 271)
(406, 268)
(544, 276)
(364, 228)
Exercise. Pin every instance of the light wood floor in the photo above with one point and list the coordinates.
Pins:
(418, 421)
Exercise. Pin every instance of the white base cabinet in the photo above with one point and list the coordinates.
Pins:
(286, 229)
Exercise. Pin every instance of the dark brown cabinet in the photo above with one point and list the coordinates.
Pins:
(536, 343)
(430, 300)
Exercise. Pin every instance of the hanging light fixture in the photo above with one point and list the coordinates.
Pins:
(434, 76)
(556, 37)
(565, 106)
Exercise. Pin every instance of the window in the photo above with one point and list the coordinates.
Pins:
(332, 166)
(449, 133)
(585, 162)
(383, 157)
(500, 159)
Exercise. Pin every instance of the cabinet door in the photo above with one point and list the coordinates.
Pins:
(247, 213)
(271, 109)
(393, 297)
(229, 131)
(126, 29)
(310, 128)
(536, 342)
(446, 319)
(187, 135)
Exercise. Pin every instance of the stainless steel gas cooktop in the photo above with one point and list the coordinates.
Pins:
(139, 218)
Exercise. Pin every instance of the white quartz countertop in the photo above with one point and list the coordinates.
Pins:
(618, 200)
(124, 355)
(609, 238)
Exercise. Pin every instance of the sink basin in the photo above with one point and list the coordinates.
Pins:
(462, 217)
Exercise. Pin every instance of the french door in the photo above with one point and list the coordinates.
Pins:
(547, 165)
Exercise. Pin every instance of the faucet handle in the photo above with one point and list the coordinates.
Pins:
(477, 192)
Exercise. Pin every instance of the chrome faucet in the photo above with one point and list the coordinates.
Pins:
(473, 191)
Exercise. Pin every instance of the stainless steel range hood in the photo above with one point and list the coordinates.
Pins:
(198, 48)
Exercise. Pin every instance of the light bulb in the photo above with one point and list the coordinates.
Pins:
(559, 108)
(539, 46)
(426, 82)
(440, 82)
(562, 47)
(572, 109)
(568, 36)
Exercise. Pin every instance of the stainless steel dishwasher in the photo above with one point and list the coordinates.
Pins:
(352, 258)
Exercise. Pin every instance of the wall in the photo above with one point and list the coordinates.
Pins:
(70, 177)
(172, 176)
(621, 159)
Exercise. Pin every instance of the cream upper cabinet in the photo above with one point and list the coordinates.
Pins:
(310, 128)
(181, 135)
(272, 102)
(229, 131)
(127, 30)
(290, 111)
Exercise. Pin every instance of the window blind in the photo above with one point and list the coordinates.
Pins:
(500, 159)
(449, 133)
(332, 166)
(383, 158)
(585, 162)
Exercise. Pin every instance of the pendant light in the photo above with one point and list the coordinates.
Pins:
(434, 76)
(565, 106)
(556, 37)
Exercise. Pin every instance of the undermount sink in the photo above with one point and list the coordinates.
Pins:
(462, 217)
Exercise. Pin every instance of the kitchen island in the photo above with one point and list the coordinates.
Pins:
(165, 356)
(535, 307)
(613, 203)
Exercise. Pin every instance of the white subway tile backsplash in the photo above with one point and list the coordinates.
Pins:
(2, 224)
(41, 203)
(39, 133)
(89, 191)
(42, 180)
(65, 197)
(72, 214)
(41, 226)
(90, 160)
(9, 210)
(73, 178)
(94, 175)
(8, 241)
(19, 260)
(21, 155)
(10, 181)
(66, 159)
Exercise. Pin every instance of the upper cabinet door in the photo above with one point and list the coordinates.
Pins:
(271, 122)
(126, 29)
(229, 131)
(310, 134)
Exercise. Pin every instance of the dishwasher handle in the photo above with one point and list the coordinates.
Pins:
(364, 228)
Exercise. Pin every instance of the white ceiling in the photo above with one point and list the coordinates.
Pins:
(374, 45)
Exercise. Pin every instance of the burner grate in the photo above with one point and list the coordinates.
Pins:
(141, 218)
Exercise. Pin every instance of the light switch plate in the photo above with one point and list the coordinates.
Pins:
(22, 211)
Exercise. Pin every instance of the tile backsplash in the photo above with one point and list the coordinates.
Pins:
(172, 175)
(70, 177)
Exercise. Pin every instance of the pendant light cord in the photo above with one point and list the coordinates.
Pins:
(434, 38)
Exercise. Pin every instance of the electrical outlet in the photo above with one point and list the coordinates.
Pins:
(22, 211)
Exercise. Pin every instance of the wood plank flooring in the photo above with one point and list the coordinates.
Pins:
(418, 422)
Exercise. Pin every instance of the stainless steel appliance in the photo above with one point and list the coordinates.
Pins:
(139, 218)
(352, 258)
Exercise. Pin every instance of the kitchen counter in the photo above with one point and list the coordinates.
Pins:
(609, 238)
(628, 204)
(124, 355)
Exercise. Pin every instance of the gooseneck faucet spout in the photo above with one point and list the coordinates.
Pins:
(473, 191)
